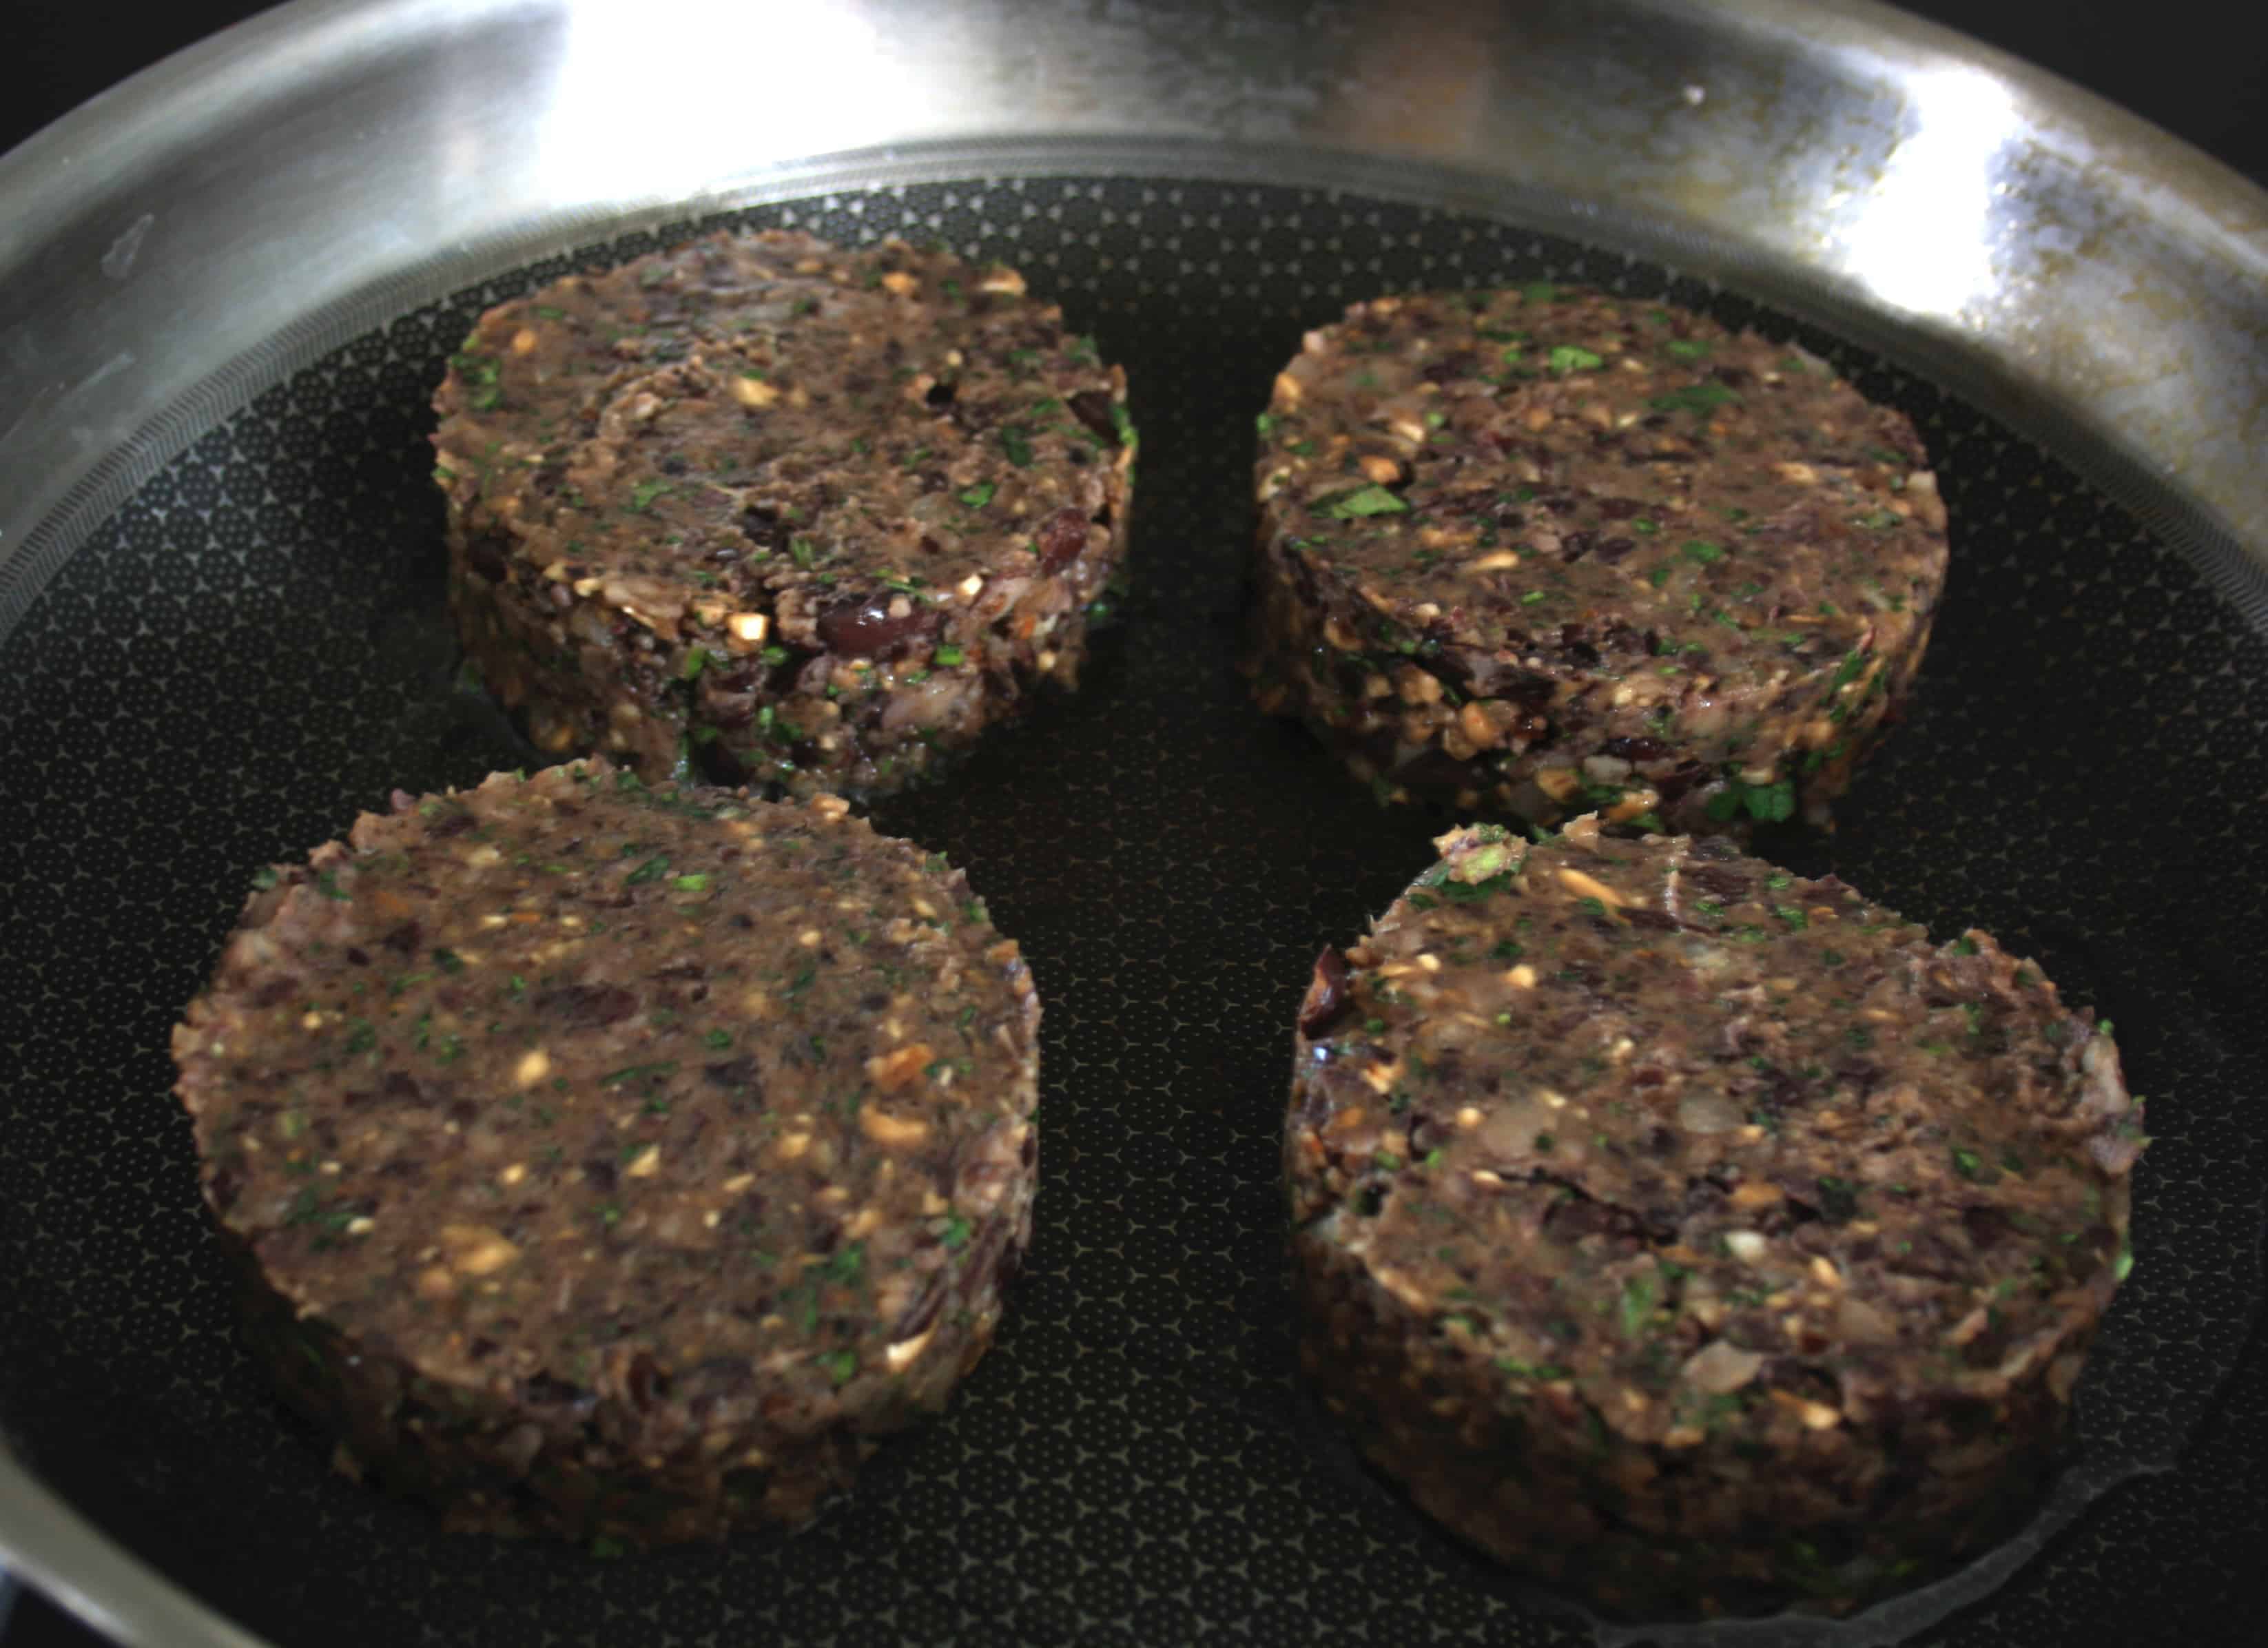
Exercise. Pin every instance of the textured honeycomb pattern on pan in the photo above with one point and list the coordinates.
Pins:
(253, 649)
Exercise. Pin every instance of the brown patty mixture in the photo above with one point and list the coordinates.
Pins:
(1694, 1233)
(1551, 551)
(616, 1161)
(778, 513)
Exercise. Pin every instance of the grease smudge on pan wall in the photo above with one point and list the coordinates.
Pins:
(253, 647)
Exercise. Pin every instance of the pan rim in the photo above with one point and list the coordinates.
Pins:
(2206, 209)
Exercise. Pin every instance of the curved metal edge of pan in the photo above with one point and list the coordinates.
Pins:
(192, 236)
(51, 1547)
(2065, 264)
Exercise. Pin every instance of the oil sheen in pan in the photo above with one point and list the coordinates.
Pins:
(253, 647)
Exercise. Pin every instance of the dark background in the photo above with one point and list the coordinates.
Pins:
(2173, 61)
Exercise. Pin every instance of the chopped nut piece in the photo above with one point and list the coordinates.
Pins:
(894, 1132)
(897, 1069)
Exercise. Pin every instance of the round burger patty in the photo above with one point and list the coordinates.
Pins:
(1695, 1234)
(614, 1161)
(779, 513)
(1551, 552)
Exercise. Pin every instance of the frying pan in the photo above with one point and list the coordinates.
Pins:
(225, 291)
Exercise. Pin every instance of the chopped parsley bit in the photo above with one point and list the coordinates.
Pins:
(636, 1072)
(448, 961)
(1879, 518)
(1687, 349)
(1387, 1161)
(696, 661)
(642, 495)
(1792, 916)
(697, 882)
(718, 1038)
(1540, 1371)
(2123, 1266)
(1838, 1198)
(329, 886)
(1508, 950)
(1700, 397)
(1533, 596)
(1701, 550)
(1567, 358)
(1376, 1026)
(1636, 1304)
(1539, 291)
(1772, 803)
(1544, 1142)
(652, 870)
(978, 495)
(1265, 423)
(948, 655)
(1968, 1165)
(956, 1233)
(607, 1545)
(1659, 576)
(265, 876)
(1370, 500)
(610, 1214)
(1645, 526)
(842, 1365)
(1017, 445)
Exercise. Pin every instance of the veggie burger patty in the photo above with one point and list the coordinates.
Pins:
(779, 513)
(1694, 1233)
(616, 1161)
(1549, 552)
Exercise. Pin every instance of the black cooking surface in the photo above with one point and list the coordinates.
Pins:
(253, 649)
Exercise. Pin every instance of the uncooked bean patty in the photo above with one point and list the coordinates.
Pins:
(1550, 552)
(1695, 1234)
(771, 511)
(613, 1161)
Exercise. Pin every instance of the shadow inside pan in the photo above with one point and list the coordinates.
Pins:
(253, 649)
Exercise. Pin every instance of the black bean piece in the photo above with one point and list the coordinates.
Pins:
(865, 627)
(1060, 537)
(485, 558)
(1637, 748)
(1329, 994)
(1096, 409)
(586, 1006)
(733, 1074)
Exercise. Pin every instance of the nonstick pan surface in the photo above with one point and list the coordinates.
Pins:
(253, 647)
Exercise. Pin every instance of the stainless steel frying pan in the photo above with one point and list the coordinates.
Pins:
(262, 239)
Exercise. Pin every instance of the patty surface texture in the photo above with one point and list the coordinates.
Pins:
(1546, 551)
(616, 1161)
(1696, 1234)
(776, 512)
